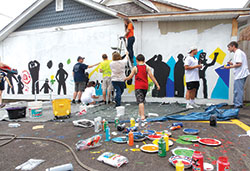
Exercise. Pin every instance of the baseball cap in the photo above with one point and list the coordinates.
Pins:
(79, 57)
(192, 48)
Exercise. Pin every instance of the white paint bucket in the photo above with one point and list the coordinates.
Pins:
(35, 109)
(120, 110)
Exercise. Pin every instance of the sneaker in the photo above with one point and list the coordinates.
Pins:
(79, 101)
(189, 106)
(73, 101)
(195, 105)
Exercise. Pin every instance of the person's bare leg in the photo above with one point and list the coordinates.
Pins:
(141, 111)
(74, 95)
(109, 93)
(79, 95)
(104, 96)
(188, 94)
(1, 96)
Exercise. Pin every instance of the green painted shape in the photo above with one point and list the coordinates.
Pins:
(184, 152)
(189, 137)
(68, 61)
(52, 81)
(180, 141)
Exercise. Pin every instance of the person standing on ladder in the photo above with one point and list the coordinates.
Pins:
(129, 28)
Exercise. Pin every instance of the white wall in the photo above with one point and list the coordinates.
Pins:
(93, 39)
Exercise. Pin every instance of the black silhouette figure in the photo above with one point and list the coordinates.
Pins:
(61, 77)
(34, 68)
(179, 72)
(46, 87)
(87, 76)
(49, 64)
(20, 85)
(202, 71)
(161, 73)
(10, 76)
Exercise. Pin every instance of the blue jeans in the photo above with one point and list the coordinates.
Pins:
(239, 91)
(131, 41)
(119, 89)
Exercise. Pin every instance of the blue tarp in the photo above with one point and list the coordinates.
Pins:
(222, 115)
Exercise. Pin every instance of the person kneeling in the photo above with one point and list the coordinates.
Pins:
(89, 95)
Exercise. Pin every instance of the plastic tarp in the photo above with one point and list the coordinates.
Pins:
(222, 114)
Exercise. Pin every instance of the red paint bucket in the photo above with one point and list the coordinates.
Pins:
(197, 161)
(223, 164)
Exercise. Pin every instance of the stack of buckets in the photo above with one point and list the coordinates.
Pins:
(35, 109)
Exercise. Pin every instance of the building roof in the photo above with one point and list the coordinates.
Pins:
(129, 8)
(174, 5)
(193, 15)
(149, 16)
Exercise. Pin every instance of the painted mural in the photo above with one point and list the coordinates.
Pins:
(52, 58)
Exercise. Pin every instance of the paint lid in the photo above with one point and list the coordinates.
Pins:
(208, 167)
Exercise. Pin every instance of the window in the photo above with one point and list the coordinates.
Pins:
(59, 5)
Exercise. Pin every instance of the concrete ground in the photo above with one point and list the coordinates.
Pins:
(235, 147)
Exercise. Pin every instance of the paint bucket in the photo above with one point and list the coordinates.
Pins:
(35, 109)
(223, 164)
(120, 110)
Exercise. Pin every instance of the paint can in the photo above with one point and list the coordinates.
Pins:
(162, 147)
(35, 109)
(223, 164)
(65, 167)
(130, 139)
(120, 127)
(116, 122)
(197, 161)
(213, 120)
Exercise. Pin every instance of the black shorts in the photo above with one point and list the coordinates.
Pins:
(2, 86)
(193, 84)
(140, 95)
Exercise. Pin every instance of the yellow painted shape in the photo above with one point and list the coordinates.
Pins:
(130, 87)
(52, 77)
(135, 149)
(184, 80)
(95, 70)
(240, 124)
(220, 57)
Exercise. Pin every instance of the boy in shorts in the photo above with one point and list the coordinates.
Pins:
(141, 72)
(3, 77)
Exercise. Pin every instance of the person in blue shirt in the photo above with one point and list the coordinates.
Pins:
(80, 78)
(3, 78)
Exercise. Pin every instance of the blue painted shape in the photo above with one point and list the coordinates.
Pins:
(135, 61)
(220, 90)
(170, 88)
(198, 54)
(223, 74)
(171, 63)
(98, 91)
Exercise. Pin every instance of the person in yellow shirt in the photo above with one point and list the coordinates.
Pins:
(106, 74)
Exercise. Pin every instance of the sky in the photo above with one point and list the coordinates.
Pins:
(9, 9)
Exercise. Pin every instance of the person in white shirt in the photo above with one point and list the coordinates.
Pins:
(117, 67)
(241, 72)
(192, 77)
(89, 96)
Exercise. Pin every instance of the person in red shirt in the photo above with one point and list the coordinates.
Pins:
(129, 28)
(141, 72)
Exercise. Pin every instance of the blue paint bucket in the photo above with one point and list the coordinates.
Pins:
(35, 112)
